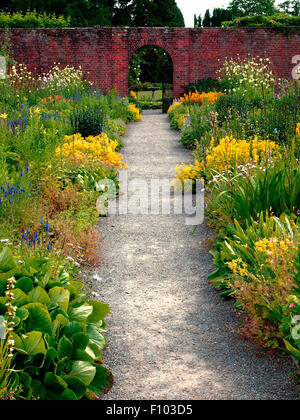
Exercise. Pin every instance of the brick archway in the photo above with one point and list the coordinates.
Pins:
(104, 53)
(174, 41)
(166, 73)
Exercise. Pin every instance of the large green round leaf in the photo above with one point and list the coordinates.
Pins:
(22, 313)
(80, 341)
(32, 343)
(54, 383)
(81, 313)
(7, 262)
(72, 328)
(96, 337)
(102, 382)
(25, 284)
(94, 351)
(38, 294)
(77, 386)
(39, 318)
(60, 297)
(38, 389)
(65, 348)
(20, 298)
(67, 395)
(84, 371)
(100, 311)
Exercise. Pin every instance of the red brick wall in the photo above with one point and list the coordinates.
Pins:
(104, 53)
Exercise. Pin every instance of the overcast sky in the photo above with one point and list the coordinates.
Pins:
(198, 7)
(191, 7)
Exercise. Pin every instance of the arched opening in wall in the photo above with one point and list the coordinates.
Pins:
(151, 77)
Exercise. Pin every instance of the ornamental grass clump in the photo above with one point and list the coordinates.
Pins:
(88, 119)
(274, 188)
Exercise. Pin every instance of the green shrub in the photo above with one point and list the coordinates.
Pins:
(188, 139)
(150, 104)
(135, 101)
(32, 19)
(175, 115)
(280, 20)
(205, 85)
(88, 120)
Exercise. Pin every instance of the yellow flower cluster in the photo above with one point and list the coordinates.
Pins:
(133, 94)
(298, 130)
(135, 112)
(231, 152)
(175, 105)
(273, 247)
(3, 116)
(95, 148)
(182, 119)
(199, 98)
(228, 154)
(238, 267)
(188, 171)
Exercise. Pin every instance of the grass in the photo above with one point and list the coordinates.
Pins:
(146, 95)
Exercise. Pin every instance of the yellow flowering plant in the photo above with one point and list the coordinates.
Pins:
(93, 148)
(134, 111)
(133, 94)
(173, 106)
(199, 98)
(228, 155)
(260, 274)
(177, 113)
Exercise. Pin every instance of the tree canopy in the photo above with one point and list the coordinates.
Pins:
(106, 12)
(252, 7)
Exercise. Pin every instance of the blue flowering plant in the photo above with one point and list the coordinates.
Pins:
(17, 195)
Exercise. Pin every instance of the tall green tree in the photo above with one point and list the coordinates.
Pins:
(252, 7)
(167, 13)
(216, 19)
(156, 13)
(106, 12)
(122, 13)
(220, 15)
(292, 7)
(197, 21)
(207, 19)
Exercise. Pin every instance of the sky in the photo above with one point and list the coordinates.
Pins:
(191, 7)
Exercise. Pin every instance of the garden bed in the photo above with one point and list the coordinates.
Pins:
(60, 139)
(247, 155)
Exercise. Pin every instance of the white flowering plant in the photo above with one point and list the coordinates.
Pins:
(250, 77)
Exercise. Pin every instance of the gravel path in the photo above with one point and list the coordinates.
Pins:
(170, 334)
